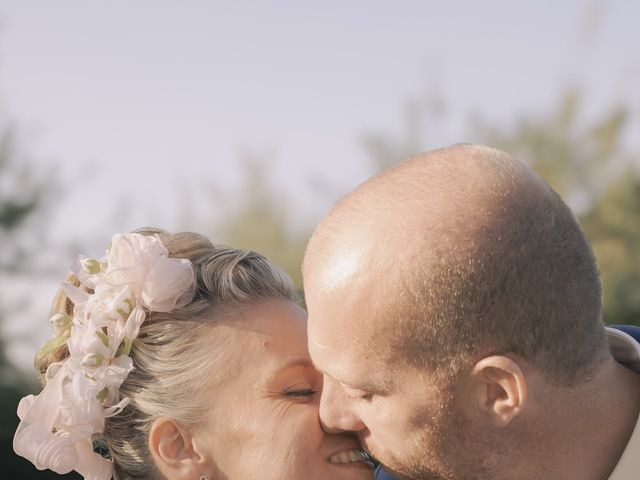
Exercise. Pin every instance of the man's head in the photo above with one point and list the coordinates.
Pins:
(438, 292)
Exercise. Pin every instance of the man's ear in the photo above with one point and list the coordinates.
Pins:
(175, 452)
(495, 390)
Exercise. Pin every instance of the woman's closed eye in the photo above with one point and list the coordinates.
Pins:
(304, 393)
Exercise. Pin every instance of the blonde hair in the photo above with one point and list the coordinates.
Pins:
(164, 355)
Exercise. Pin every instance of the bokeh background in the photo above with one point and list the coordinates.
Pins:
(246, 120)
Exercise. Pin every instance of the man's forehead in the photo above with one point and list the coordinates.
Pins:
(346, 317)
(330, 335)
(349, 273)
(339, 269)
(351, 364)
(350, 308)
(335, 260)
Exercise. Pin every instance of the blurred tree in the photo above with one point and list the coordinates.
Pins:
(261, 221)
(577, 159)
(588, 163)
(19, 198)
(422, 117)
(22, 220)
(613, 226)
(591, 167)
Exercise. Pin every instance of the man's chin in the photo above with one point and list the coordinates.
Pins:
(404, 471)
(389, 464)
(403, 475)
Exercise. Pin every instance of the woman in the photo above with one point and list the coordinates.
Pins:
(177, 359)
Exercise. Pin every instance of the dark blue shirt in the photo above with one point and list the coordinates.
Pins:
(382, 475)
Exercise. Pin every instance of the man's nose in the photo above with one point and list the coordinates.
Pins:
(336, 410)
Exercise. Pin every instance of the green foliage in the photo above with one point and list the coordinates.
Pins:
(572, 156)
(261, 222)
(421, 116)
(613, 226)
(590, 166)
(21, 207)
(18, 201)
(586, 162)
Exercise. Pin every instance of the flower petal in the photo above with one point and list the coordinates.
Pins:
(169, 282)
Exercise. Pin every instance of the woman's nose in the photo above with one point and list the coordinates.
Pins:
(337, 412)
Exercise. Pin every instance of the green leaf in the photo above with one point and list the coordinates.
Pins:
(124, 348)
(102, 394)
(51, 346)
(103, 336)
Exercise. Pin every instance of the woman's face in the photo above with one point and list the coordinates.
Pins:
(264, 407)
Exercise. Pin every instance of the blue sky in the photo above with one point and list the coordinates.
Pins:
(132, 104)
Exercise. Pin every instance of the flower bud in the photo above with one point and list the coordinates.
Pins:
(103, 337)
(91, 265)
(60, 322)
(92, 360)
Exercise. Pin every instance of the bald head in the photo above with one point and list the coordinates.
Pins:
(434, 200)
(461, 252)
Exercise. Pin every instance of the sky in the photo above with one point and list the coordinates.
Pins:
(140, 109)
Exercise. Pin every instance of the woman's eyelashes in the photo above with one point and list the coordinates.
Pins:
(301, 390)
(303, 393)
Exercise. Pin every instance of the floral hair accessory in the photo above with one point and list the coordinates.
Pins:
(57, 426)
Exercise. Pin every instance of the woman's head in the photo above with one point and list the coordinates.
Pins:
(263, 422)
(221, 385)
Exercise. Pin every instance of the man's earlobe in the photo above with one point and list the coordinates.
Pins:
(496, 389)
(175, 451)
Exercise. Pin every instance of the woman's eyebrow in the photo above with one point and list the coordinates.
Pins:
(288, 365)
(297, 362)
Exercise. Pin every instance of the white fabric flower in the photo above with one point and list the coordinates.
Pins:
(137, 276)
(166, 277)
(54, 451)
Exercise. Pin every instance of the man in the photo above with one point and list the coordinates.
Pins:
(455, 311)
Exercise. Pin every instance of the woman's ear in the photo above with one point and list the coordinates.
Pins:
(175, 451)
(495, 390)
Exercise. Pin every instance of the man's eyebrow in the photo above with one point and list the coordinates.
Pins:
(368, 386)
(364, 386)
